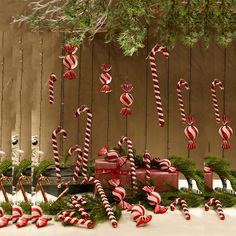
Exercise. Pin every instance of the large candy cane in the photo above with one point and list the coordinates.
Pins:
(20, 179)
(87, 139)
(131, 158)
(56, 132)
(147, 161)
(76, 149)
(40, 186)
(155, 80)
(105, 201)
(75, 201)
(51, 81)
(2, 179)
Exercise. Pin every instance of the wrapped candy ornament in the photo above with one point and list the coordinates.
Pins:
(154, 199)
(105, 78)
(119, 194)
(126, 99)
(165, 165)
(70, 61)
(225, 132)
(111, 155)
(139, 215)
(3, 219)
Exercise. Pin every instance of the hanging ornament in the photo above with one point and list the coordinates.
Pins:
(70, 61)
(126, 99)
(224, 131)
(139, 214)
(105, 78)
(52, 79)
(190, 131)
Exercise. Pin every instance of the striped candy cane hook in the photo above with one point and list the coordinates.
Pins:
(41, 188)
(87, 139)
(51, 81)
(20, 184)
(184, 206)
(183, 83)
(2, 179)
(155, 80)
(65, 191)
(147, 162)
(56, 132)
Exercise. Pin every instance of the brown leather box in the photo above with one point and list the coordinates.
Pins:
(162, 179)
(104, 171)
(208, 178)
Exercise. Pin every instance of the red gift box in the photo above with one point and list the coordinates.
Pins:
(105, 170)
(208, 178)
(162, 179)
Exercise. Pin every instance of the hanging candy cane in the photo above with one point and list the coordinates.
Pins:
(219, 208)
(87, 139)
(2, 179)
(56, 132)
(22, 221)
(75, 202)
(41, 188)
(224, 131)
(51, 81)
(154, 199)
(126, 99)
(184, 206)
(131, 158)
(104, 199)
(17, 212)
(155, 80)
(119, 194)
(20, 184)
(105, 78)
(70, 61)
(76, 221)
(139, 214)
(76, 149)
(42, 221)
(36, 212)
(66, 185)
(147, 162)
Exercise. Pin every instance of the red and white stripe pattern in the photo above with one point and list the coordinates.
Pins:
(20, 184)
(66, 185)
(126, 99)
(147, 162)
(76, 149)
(56, 132)
(155, 79)
(105, 78)
(1, 212)
(209, 203)
(4, 221)
(70, 61)
(219, 84)
(68, 213)
(51, 81)
(4, 192)
(87, 139)
(184, 207)
(225, 132)
(125, 139)
(104, 199)
(164, 164)
(111, 155)
(22, 221)
(191, 133)
(139, 215)
(43, 221)
(219, 208)
(75, 201)
(17, 212)
(154, 198)
(36, 212)
(183, 83)
(40, 186)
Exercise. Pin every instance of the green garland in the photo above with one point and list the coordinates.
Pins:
(4, 166)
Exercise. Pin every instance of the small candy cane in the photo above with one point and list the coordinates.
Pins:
(51, 81)
(2, 179)
(65, 191)
(88, 130)
(131, 158)
(56, 132)
(104, 199)
(147, 162)
(40, 186)
(75, 202)
(155, 79)
(218, 205)
(184, 206)
(20, 179)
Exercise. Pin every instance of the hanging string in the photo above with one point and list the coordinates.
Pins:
(92, 85)
(2, 76)
(21, 86)
(79, 86)
(168, 108)
(190, 83)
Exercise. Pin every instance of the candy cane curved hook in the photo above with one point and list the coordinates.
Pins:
(56, 132)
(88, 131)
(41, 188)
(155, 80)
(67, 187)
(2, 179)
(52, 79)
(20, 179)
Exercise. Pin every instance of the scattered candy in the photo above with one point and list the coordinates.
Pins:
(138, 213)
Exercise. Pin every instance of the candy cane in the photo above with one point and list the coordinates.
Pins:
(76, 221)
(87, 139)
(67, 187)
(76, 149)
(75, 202)
(40, 186)
(17, 212)
(184, 206)
(36, 212)
(181, 82)
(155, 80)
(174, 204)
(51, 81)
(2, 179)
(147, 161)
(20, 179)
(215, 83)
(219, 208)
(68, 213)
(56, 132)
(104, 199)
(209, 203)
(131, 158)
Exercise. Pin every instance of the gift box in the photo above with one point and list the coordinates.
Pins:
(105, 170)
(161, 179)
(208, 178)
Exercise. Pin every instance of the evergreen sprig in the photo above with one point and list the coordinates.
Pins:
(4, 166)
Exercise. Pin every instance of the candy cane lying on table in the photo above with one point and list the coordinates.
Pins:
(184, 206)
(147, 161)
(87, 139)
(7, 179)
(131, 158)
(76, 149)
(155, 80)
(104, 199)
(75, 201)
(219, 208)
(51, 81)
(56, 132)
(40, 186)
